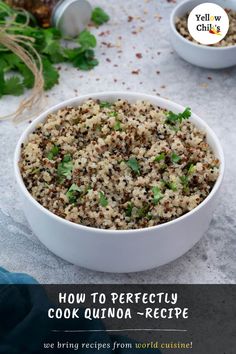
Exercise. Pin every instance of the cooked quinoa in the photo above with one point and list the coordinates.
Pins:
(230, 38)
(119, 165)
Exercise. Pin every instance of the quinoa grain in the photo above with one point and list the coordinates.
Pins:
(122, 178)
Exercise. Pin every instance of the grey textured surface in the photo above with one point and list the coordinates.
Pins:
(211, 94)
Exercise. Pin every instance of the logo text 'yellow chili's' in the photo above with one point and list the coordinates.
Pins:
(213, 29)
(208, 23)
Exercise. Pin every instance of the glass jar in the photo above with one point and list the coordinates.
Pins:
(70, 16)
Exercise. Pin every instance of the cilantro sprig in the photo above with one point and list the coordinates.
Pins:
(157, 195)
(53, 152)
(11, 86)
(105, 104)
(173, 118)
(51, 47)
(170, 185)
(73, 193)
(175, 158)
(113, 114)
(65, 168)
(51, 51)
(191, 168)
(159, 157)
(103, 200)
(129, 209)
(99, 16)
(185, 183)
(143, 212)
(117, 125)
(133, 165)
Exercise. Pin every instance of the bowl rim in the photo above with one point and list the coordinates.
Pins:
(114, 95)
(196, 45)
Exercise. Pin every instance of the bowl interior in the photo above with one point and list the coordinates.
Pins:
(131, 97)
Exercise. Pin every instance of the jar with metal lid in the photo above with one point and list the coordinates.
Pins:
(70, 16)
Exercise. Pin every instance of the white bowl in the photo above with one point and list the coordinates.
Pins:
(119, 250)
(197, 54)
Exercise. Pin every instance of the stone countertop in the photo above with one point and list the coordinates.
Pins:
(211, 94)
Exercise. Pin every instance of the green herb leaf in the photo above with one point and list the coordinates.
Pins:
(160, 157)
(2, 82)
(67, 158)
(117, 125)
(82, 57)
(105, 104)
(173, 186)
(128, 211)
(185, 183)
(73, 193)
(173, 118)
(34, 171)
(10, 61)
(3, 64)
(191, 169)
(13, 86)
(3, 13)
(143, 212)
(186, 113)
(53, 152)
(103, 200)
(51, 33)
(28, 77)
(84, 60)
(54, 51)
(50, 74)
(133, 164)
(65, 168)
(170, 185)
(175, 158)
(72, 53)
(113, 114)
(50, 48)
(184, 180)
(99, 16)
(157, 195)
(87, 40)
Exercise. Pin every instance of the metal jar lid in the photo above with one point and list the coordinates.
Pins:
(71, 16)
